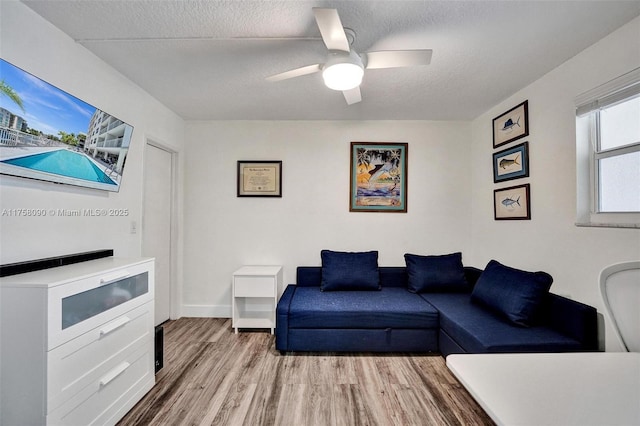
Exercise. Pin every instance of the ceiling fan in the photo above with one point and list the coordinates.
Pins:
(344, 67)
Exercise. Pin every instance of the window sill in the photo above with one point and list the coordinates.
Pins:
(608, 225)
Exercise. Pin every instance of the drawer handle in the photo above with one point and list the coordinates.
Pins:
(114, 277)
(107, 378)
(114, 325)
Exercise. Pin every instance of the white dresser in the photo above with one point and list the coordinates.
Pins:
(76, 342)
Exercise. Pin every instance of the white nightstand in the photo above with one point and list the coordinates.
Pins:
(254, 297)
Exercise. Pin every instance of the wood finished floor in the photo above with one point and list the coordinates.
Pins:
(212, 376)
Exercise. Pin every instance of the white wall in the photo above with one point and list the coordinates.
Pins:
(33, 44)
(224, 232)
(574, 256)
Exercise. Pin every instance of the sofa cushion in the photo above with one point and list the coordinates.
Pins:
(436, 273)
(479, 330)
(391, 307)
(514, 293)
(349, 270)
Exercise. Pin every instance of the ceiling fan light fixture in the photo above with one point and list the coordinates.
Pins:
(343, 71)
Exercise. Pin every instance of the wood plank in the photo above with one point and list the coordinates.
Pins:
(212, 376)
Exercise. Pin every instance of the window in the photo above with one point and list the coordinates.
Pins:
(617, 157)
(608, 153)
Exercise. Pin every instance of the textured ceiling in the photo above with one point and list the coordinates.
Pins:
(208, 60)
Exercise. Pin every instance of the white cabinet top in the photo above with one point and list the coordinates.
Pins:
(575, 388)
(258, 270)
(53, 277)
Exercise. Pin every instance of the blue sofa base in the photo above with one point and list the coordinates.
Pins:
(447, 345)
(362, 340)
(396, 320)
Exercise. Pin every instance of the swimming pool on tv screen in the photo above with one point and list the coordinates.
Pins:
(64, 163)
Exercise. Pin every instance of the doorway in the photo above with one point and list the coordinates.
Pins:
(158, 222)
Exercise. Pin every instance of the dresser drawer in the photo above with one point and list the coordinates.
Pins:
(254, 287)
(80, 306)
(101, 400)
(78, 363)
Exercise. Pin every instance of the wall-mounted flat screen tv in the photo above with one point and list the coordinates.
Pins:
(50, 135)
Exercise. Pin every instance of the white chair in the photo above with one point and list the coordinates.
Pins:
(620, 287)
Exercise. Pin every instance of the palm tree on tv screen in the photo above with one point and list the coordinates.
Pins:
(6, 90)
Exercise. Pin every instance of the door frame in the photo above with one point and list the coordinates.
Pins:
(174, 283)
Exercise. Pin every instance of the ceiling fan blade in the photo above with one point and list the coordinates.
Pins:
(309, 69)
(331, 29)
(352, 96)
(398, 58)
(193, 38)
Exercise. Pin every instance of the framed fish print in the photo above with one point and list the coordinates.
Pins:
(378, 177)
(513, 203)
(511, 125)
(511, 163)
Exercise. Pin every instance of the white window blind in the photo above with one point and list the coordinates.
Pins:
(623, 87)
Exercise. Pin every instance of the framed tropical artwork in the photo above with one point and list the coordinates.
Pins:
(511, 163)
(378, 177)
(511, 125)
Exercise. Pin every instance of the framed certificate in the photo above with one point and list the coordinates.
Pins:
(259, 178)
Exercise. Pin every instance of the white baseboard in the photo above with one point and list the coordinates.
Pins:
(206, 311)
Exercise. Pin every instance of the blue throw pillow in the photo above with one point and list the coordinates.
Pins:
(511, 292)
(349, 270)
(435, 273)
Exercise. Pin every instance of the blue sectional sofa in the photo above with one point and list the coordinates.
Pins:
(469, 311)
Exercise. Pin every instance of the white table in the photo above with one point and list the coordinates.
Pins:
(255, 296)
(595, 388)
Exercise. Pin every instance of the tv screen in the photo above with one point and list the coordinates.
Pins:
(50, 135)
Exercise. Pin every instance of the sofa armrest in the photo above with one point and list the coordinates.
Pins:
(573, 319)
(282, 318)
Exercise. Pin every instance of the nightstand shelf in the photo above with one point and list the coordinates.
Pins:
(255, 294)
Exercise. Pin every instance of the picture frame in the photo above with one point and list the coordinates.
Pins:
(259, 179)
(511, 125)
(378, 177)
(511, 163)
(512, 203)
